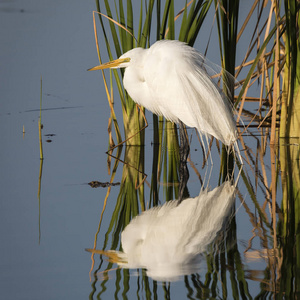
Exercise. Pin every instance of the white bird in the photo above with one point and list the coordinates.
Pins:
(167, 241)
(169, 79)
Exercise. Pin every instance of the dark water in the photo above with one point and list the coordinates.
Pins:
(44, 236)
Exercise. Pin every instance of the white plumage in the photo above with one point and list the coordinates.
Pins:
(169, 79)
(167, 240)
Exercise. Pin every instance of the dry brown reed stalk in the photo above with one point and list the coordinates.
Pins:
(102, 213)
(252, 44)
(252, 99)
(242, 106)
(178, 15)
(137, 186)
(40, 122)
(193, 166)
(260, 73)
(254, 167)
(273, 140)
(39, 195)
(264, 173)
(241, 139)
(258, 229)
(97, 232)
(247, 20)
(115, 22)
(108, 94)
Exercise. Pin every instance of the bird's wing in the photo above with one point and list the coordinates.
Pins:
(182, 90)
(154, 237)
(163, 244)
(137, 231)
(209, 107)
(213, 207)
(163, 83)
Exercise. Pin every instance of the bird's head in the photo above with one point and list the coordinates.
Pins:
(130, 57)
(112, 256)
(121, 62)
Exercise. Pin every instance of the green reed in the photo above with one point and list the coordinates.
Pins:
(227, 22)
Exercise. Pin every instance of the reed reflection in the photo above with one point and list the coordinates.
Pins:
(167, 241)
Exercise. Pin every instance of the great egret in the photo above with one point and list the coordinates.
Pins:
(168, 240)
(169, 79)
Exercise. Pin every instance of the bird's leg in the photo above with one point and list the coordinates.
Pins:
(184, 151)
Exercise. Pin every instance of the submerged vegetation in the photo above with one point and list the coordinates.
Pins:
(267, 70)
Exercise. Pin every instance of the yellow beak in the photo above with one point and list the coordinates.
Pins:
(111, 255)
(110, 64)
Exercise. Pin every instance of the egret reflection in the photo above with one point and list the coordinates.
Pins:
(167, 241)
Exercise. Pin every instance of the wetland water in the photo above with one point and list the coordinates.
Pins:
(44, 235)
